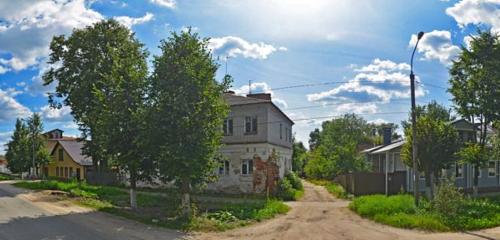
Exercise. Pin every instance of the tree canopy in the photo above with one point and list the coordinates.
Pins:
(187, 111)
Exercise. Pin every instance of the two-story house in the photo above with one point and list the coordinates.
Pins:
(257, 147)
(68, 161)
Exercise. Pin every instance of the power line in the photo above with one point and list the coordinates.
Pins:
(336, 104)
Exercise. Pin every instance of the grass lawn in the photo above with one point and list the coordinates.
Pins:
(400, 211)
(333, 188)
(162, 209)
(4, 177)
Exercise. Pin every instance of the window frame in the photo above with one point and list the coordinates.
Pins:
(60, 155)
(251, 123)
(456, 171)
(228, 127)
(224, 168)
(281, 131)
(247, 167)
(495, 166)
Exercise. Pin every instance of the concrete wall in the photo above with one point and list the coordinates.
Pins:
(238, 114)
(277, 121)
(235, 182)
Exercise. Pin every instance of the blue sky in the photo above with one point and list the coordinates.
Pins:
(364, 45)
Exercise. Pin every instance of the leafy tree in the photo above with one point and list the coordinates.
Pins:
(187, 111)
(474, 85)
(18, 149)
(437, 143)
(298, 157)
(101, 72)
(38, 151)
(337, 152)
(314, 140)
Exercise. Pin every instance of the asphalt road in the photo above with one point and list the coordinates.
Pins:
(21, 219)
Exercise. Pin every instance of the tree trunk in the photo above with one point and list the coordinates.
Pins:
(186, 200)
(433, 187)
(428, 184)
(133, 193)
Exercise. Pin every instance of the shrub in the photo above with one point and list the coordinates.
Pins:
(285, 190)
(448, 200)
(295, 181)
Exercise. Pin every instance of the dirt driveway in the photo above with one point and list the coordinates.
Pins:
(320, 216)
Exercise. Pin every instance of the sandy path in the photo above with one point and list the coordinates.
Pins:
(320, 216)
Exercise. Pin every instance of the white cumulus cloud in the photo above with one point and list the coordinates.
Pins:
(10, 108)
(130, 21)
(164, 3)
(436, 45)
(27, 27)
(62, 114)
(236, 46)
(380, 81)
(476, 12)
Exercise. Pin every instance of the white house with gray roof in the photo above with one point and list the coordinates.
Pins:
(253, 130)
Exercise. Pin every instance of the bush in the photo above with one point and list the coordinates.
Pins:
(448, 200)
(295, 181)
(285, 190)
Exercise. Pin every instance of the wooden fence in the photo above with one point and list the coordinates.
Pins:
(364, 183)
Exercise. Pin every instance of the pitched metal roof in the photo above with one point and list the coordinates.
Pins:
(74, 149)
(389, 147)
(235, 100)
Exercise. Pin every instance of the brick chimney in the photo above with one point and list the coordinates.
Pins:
(387, 135)
(263, 96)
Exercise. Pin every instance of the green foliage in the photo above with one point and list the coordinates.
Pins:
(437, 141)
(400, 211)
(18, 149)
(285, 190)
(448, 200)
(101, 73)
(299, 156)
(336, 148)
(294, 180)
(187, 102)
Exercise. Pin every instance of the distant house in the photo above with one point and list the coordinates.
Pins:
(68, 161)
(255, 130)
(3, 165)
(386, 160)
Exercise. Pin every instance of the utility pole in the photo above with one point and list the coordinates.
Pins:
(416, 177)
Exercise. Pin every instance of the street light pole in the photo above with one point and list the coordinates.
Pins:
(416, 177)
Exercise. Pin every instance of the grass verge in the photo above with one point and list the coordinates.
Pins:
(4, 177)
(162, 209)
(400, 211)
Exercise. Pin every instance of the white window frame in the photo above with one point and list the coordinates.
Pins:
(461, 172)
(245, 165)
(228, 128)
(495, 166)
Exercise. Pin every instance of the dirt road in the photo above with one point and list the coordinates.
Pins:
(27, 215)
(320, 216)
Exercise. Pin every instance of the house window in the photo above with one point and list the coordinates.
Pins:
(60, 154)
(224, 167)
(459, 170)
(228, 127)
(290, 138)
(492, 167)
(57, 171)
(70, 172)
(250, 125)
(286, 134)
(281, 131)
(66, 172)
(247, 167)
